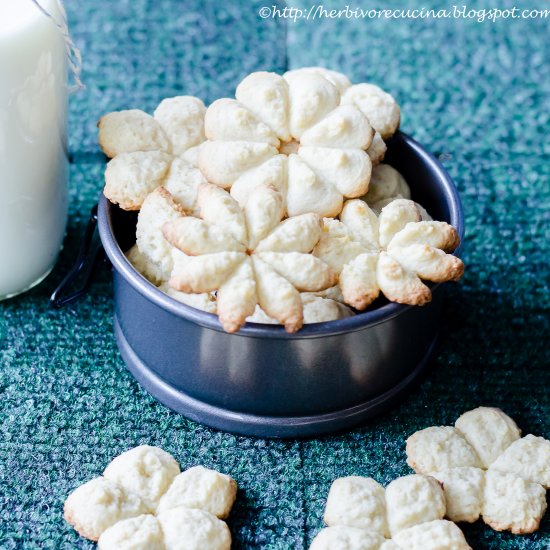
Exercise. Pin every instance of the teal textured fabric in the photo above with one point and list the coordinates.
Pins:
(477, 94)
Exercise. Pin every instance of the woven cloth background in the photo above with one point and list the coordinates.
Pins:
(477, 94)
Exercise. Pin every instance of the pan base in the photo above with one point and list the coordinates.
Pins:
(264, 426)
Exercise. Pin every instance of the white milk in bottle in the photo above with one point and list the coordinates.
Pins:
(33, 146)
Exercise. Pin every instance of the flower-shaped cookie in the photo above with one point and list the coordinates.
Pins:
(153, 257)
(149, 151)
(390, 253)
(248, 256)
(362, 515)
(143, 502)
(297, 133)
(486, 469)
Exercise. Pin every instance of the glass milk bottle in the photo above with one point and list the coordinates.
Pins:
(33, 145)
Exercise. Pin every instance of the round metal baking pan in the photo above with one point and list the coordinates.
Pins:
(263, 381)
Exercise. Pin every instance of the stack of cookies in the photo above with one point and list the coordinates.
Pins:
(481, 467)
(143, 501)
(275, 206)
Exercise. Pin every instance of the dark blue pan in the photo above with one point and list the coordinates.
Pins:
(262, 381)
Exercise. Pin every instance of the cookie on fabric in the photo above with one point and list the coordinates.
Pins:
(356, 501)
(511, 503)
(438, 448)
(434, 535)
(190, 529)
(489, 431)
(413, 499)
(122, 510)
(138, 533)
(528, 458)
(463, 488)
(341, 537)
(145, 471)
(202, 488)
(98, 504)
